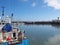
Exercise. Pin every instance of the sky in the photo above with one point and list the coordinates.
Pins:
(31, 10)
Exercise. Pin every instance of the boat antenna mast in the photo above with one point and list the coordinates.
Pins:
(2, 13)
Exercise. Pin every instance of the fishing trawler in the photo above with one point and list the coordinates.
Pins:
(10, 35)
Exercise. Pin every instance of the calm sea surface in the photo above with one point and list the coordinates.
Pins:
(42, 34)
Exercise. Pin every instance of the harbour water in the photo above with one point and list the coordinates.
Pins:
(42, 34)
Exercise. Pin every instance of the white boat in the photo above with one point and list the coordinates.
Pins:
(10, 35)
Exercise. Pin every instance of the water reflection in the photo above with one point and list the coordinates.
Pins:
(42, 34)
(55, 25)
(55, 40)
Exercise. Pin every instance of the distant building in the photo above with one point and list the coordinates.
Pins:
(56, 20)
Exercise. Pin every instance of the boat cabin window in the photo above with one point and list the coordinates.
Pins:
(14, 35)
(3, 23)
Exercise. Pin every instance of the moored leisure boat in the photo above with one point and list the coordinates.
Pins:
(10, 35)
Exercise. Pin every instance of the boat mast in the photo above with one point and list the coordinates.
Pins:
(2, 13)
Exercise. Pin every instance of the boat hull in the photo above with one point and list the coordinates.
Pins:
(24, 42)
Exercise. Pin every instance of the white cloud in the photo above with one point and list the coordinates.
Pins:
(53, 3)
(33, 4)
(55, 40)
